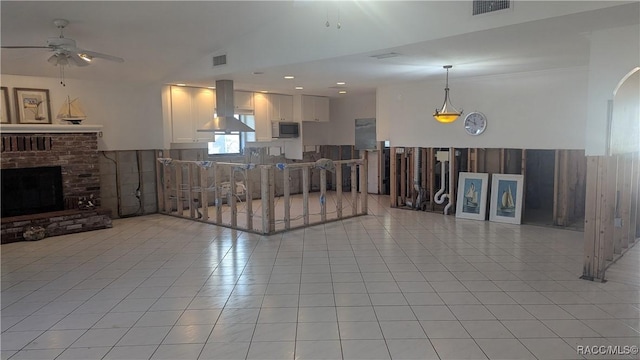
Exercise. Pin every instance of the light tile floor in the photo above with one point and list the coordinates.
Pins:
(395, 284)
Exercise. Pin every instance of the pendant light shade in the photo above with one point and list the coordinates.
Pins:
(447, 113)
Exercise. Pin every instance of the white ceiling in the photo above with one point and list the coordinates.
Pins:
(174, 41)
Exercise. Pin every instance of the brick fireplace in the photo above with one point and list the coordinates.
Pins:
(75, 150)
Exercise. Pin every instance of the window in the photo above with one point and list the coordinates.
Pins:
(232, 143)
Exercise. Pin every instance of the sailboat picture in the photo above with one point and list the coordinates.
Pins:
(472, 193)
(471, 199)
(506, 205)
(506, 198)
(71, 111)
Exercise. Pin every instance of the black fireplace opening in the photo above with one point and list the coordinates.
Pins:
(31, 190)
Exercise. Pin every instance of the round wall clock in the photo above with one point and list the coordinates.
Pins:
(475, 123)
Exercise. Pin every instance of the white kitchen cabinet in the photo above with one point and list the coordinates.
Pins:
(261, 116)
(281, 107)
(191, 108)
(243, 102)
(311, 108)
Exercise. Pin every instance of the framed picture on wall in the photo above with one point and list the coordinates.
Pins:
(32, 106)
(506, 198)
(5, 112)
(472, 195)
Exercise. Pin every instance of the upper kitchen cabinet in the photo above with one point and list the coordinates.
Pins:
(311, 108)
(191, 108)
(243, 102)
(261, 116)
(281, 107)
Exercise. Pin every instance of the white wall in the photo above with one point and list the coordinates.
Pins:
(343, 113)
(315, 133)
(614, 53)
(536, 110)
(130, 113)
(625, 123)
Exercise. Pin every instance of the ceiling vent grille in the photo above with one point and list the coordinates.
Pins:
(385, 55)
(219, 60)
(487, 6)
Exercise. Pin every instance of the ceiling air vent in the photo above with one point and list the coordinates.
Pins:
(487, 6)
(385, 55)
(219, 60)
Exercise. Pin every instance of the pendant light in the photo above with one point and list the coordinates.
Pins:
(448, 113)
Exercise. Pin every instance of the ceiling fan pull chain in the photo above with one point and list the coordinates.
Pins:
(62, 76)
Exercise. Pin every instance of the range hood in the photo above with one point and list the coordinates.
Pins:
(225, 122)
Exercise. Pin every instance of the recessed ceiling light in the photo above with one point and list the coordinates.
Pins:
(342, 92)
(181, 84)
(212, 87)
(341, 83)
(299, 88)
(264, 91)
(289, 77)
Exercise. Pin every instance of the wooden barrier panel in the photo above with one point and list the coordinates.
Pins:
(204, 194)
(625, 199)
(635, 183)
(287, 199)
(393, 178)
(159, 186)
(192, 188)
(323, 195)
(339, 190)
(178, 189)
(305, 195)
(432, 178)
(248, 200)
(403, 177)
(264, 194)
(453, 179)
(363, 185)
(354, 190)
(233, 201)
(618, 184)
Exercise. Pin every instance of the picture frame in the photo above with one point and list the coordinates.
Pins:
(506, 198)
(5, 112)
(32, 106)
(471, 200)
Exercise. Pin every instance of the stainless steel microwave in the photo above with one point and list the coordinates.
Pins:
(281, 129)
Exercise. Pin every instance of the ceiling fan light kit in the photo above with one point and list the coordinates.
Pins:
(65, 50)
(447, 113)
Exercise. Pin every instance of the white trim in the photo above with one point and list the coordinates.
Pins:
(48, 128)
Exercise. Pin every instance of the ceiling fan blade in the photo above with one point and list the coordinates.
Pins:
(77, 60)
(25, 47)
(100, 55)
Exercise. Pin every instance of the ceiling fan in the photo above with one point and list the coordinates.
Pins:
(65, 51)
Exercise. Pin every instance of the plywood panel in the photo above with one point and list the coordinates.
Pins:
(393, 178)
(591, 261)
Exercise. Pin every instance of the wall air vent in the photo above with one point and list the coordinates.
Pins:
(487, 6)
(219, 60)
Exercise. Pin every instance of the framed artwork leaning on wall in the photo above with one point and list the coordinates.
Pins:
(506, 198)
(471, 200)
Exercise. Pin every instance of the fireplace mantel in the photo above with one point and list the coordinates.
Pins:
(48, 128)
